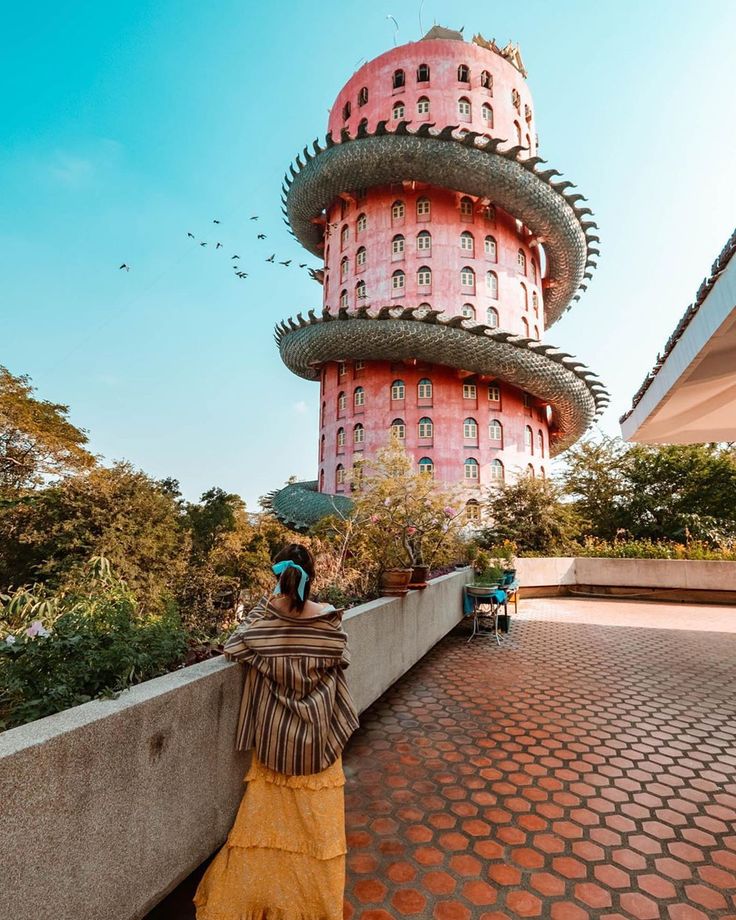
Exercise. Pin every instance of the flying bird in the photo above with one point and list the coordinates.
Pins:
(255, 217)
(287, 263)
(125, 266)
(203, 244)
(190, 235)
(271, 258)
(261, 236)
(215, 221)
(219, 246)
(302, 265)
(234, 257)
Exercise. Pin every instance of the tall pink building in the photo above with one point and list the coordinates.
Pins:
(448, 251)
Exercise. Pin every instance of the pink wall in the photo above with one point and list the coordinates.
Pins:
(443, 91)
(448, 407)
(446, 258)
(518, 299)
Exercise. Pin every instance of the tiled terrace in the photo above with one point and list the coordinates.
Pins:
(585, 769)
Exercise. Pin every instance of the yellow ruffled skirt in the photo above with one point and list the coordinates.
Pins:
(284, 858)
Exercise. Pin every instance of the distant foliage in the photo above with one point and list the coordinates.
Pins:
(60, 650)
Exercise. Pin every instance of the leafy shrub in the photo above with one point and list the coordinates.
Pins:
(653, 549)
(57, 651)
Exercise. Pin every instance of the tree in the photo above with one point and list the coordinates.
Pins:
(596, 479)
(117, 512)
(530, 513)
(37, 440)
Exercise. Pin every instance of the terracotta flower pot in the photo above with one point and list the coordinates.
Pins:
(419, 576)
(395, 582)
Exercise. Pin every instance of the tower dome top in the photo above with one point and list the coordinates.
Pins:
(510, 51)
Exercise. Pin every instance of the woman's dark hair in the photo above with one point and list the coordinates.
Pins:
(290, 578)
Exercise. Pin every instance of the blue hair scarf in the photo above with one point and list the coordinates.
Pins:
(281, 567)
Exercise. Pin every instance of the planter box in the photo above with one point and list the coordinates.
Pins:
(108, 806)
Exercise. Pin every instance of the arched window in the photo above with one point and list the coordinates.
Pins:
(359, 397)
(464, 109)
(342, 369)
(486, 113)
(528, 440)
(398, 79)
(360, 292)
(397, 111)
(470, 391)
(535, 303)
(398, 389)
(524, 297)
(494, 392)
(423, 73)
(397, 210)
(340, 474)
(472, 511)
(471, 469)
(322, 413)
(470, 429)
(516, 100)
(340, 439)
(424, 306)
(495, 430)
(344, 236)
(497, 471)
(528, 142)
(342, 402)
(363, 96)
(360, 257)
(517, 128)
(361, 223)
(467, 279)
(466, 208)
(540, 442)
(490, 248)
(492, 317)
(525, 324)
(397, 246)
(534, 269)
(358, 434)
(346, 110)
(423, 105)
(492, 284)
(398, 429)
(343, 268)
(424, 388)
(536, 332)
(486, 81)
(426, 467)
(468, 311)
(425, 428)
(344, 297)
(467, 243)
(363, 123)
(463, 74)
(397, 281)
(424, 241)
(489, 213)
(322, 448)
(321, 480)
(542, 474)
(423, 208)
(521, 261)
(424, 276)
(530, 470)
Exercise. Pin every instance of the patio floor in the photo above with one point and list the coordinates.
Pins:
(584, 769)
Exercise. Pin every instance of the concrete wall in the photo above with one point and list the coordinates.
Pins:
(682, 579)
(108, 806)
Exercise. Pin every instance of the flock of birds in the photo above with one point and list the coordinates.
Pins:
(234, 259)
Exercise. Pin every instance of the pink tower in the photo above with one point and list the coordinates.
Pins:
(447, 253)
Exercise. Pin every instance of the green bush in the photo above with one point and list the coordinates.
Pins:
(59, 651)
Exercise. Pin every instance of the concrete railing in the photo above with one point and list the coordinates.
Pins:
(684, 579)
(106, 807)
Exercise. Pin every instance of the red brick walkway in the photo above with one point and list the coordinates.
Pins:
(580, 771)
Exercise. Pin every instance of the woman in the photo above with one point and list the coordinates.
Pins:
(284, 858)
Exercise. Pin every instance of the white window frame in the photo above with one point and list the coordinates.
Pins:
(359, 397)
(358, 434)
(465, 274)
(492, 284)
(398, 390)
(424, 277)
(360, 257)
(423, 105)
(424, 241)
(398, 245)
(490, 247)
(424, 389)
(471, 469)
(341, 437)
(494, 393)
(361, 223)
(468, 311)
(467, 242)
(470, 391)
(398, 210)
(399, 431)
(464, 109)
(425, 430)
(492, 319)
(493, 426)
(426, 466)
(424, 207)
(470, 429)
(398, 280)
(398, 110)
(497, 472)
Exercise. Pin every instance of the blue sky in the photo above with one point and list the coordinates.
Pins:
(126, 125)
